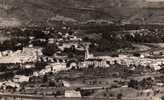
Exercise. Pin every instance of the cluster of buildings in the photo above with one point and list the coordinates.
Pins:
(106, 61)
(28, 56)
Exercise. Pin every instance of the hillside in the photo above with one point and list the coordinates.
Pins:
(19, 12)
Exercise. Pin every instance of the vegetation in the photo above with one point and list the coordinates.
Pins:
(50, 49)
(121, 39)
(146, 83)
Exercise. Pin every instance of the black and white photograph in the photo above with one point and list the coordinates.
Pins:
(81, 49)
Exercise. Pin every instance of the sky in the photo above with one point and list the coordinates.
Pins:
(154, 0)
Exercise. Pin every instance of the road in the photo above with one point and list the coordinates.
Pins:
(32, 97)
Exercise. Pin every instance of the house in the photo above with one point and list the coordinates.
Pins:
(35, 79)
(51, 40)
(72, 94)
(68, 45)
(9, 86)
(6, 53)
(20, 79)
(156, 98)
(95, 62)
(21, 56)
(55, 67)
(28, 65)
(73, 65)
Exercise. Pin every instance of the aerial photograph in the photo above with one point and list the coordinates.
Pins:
(81, 49)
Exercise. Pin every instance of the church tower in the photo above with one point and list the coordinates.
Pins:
(87, 53)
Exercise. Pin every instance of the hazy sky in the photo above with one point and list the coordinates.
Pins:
(154, 0)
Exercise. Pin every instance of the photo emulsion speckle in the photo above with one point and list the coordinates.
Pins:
(81, 49)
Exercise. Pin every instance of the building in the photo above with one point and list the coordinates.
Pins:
(53, 67)
(72, 94)
(20, 79)
(94, 63)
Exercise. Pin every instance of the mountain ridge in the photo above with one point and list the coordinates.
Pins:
(128, 11)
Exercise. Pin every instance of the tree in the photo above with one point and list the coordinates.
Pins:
(119, 96)
(147, 83)
(137, 54)
(45, 78)
(50, 49)
(52, 84)
(133, 84)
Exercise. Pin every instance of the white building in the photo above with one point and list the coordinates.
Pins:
(72, 94)
(53, 67)
(20, 79)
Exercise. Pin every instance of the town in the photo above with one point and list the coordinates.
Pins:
(56, 62)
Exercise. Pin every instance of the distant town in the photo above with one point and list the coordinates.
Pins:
(64, 62)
